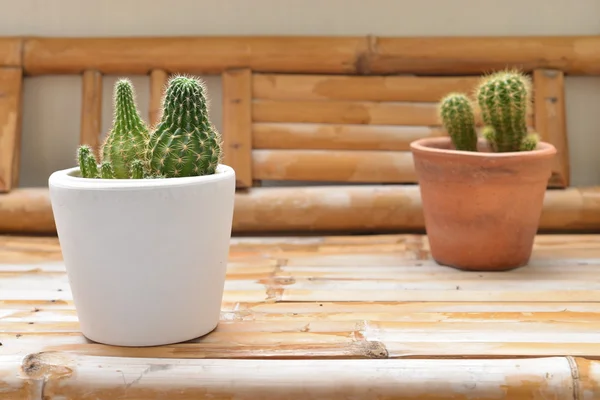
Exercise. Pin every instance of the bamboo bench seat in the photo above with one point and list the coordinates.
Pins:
(341, 317)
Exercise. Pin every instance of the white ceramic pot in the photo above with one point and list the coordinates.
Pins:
(146, 258)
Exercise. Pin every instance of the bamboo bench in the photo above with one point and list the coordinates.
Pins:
(318, 129)
(341, 111)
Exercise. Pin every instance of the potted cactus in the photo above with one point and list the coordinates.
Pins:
(483, 196)
(144, 227)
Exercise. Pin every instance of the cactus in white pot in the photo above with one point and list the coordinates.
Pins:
(141, 272)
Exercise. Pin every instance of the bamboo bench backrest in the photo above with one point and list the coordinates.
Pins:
(355, 129)
(305, 108)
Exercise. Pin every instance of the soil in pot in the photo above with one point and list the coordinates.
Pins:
(481, 209)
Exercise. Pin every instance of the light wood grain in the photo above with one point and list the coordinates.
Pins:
(237, 120)
(91, 110)
(11, 50)
(196, 55)
(321, 302)
(352, 112)
(11, 81)
(54, 375)
(158, 84)
(358, 88)
(576, 55)
(338, 166)
(323, 209)
(550, 120)
(338, 136)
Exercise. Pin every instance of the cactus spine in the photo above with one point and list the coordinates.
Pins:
(184, 142)
(457, 117)
(504, 98)
(126, 141)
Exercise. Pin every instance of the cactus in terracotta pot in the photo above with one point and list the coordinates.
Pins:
(457, 117)
(503, 98)
(183, 143)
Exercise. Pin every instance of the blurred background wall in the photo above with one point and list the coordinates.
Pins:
(52, 103)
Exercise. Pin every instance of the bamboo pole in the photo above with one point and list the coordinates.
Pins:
(550, 120)
(353, 112)
(237, 124)
(299, 136)
(11, 50)
(158, 83)
(91, 110)
(334, 166)
(197, 55)
(574, 55)
(368, 208)
(62, 375)
(358, 88)
(11, 81)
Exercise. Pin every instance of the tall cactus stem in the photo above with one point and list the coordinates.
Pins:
(184, 142)
(504, 99)
(128, 138)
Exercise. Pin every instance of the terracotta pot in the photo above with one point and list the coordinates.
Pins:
(481, 209)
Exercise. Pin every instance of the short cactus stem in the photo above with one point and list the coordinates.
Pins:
(137, 169)
(530, 142)
(87, 162)
(106, 170)
(458, 119)
(92, 167)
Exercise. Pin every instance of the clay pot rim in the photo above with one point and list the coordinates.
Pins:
(436, 145)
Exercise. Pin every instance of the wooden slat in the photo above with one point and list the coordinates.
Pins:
(11, 51)
(338, 166)
(350, 112)
(345, 112)
(11, 81)
(158, 82)
(325, 209)
(358, 88)
(64, 375)
(237, 124)
(550, 120)
(393, 207)
(196, 55)
(91, 110)
(267, 135)
(574, 55)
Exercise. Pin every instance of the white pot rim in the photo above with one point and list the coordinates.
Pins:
(67, 179)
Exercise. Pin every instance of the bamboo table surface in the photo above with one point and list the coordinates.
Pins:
(356, 317)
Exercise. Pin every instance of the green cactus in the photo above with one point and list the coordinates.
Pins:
(184, 142)
(457, 117)
(137, 169)
(504, 98)
(127, 140)
(106, 171)
(529, 142)
(87, 162)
